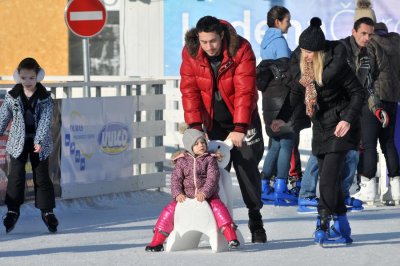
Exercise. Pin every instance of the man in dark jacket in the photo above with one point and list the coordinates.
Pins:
(371, 66)
(219, 95)
(388, 84)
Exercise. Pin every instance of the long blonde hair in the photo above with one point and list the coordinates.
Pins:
(318, 66)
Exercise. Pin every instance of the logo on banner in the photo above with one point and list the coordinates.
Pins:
(114, 138)
(78, 139)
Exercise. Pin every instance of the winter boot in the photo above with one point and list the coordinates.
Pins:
(256, 227)
(368, 190)
(282, 195)
(307, 205)
(267, 192)
(10, 220)
(157, 243)
(353, 204)
(229, 232)
(50, 220)
(321, 234)
(395, 189)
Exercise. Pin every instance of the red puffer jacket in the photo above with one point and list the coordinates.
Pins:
(236, 79)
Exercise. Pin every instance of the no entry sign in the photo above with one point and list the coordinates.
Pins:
(85, 18)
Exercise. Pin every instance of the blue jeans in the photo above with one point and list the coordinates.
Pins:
(310, 175)
(349, 171)
(278, 157)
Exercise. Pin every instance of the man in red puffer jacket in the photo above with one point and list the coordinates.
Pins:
(219, 96)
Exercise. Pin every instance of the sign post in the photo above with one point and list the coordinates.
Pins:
(85, 18)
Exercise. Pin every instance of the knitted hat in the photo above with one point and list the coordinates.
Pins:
(380, 26)
(364, 9)
(312, 38)
(190, 136)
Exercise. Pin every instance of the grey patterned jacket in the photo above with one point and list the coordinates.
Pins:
(12, 109)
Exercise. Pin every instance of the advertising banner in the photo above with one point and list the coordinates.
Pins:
(96, 142)
(249, 19)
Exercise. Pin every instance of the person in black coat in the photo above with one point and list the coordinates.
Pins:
(274, 81)
(333, 98)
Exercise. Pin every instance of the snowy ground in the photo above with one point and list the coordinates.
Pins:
(113, 230)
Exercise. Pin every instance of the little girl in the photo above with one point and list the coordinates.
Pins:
(29, 106)
(195, 175)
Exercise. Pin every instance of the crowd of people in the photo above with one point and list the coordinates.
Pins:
(346, 89)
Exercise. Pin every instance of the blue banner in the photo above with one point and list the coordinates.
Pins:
(249, 19)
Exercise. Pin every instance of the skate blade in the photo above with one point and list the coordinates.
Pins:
(339, 242)
(284, 203)
(268, 201)
(370, 203)
(307, 209)
(355, 209)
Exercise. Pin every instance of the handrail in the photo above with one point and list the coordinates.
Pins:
(94, 83)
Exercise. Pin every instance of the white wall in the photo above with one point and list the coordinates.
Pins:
(142, 38)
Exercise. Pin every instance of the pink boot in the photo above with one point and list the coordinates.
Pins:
(163, 227)
(229, 232)
(224, 221)
(157, 242)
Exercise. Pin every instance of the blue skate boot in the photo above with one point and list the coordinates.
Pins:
(307, 205)
(282, 195)
(267, 192)
(353, 204)
(340, 231)
(296, 186)
(321, 234)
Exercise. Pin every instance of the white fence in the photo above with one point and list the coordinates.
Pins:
(149, 128)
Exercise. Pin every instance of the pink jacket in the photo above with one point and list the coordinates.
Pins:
(192, 175)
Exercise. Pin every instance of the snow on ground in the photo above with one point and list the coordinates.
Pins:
(113, 230)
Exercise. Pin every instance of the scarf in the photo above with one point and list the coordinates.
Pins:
(307, 80)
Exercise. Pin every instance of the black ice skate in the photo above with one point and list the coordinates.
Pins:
(257, 230)
(234, 244)
(157, 248)
(10, 220)
(50, 220)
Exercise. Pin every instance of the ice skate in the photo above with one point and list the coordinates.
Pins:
(267, 193)
(322, 228)
(307, 205)
(340, 231)
(282, 195)
(50, 220)
(353, 204)
(296, 186)
(367, 192)
(10, 220)
(395, 189)
(337, 234)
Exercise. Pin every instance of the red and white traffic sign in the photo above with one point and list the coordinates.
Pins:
(85, 18)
